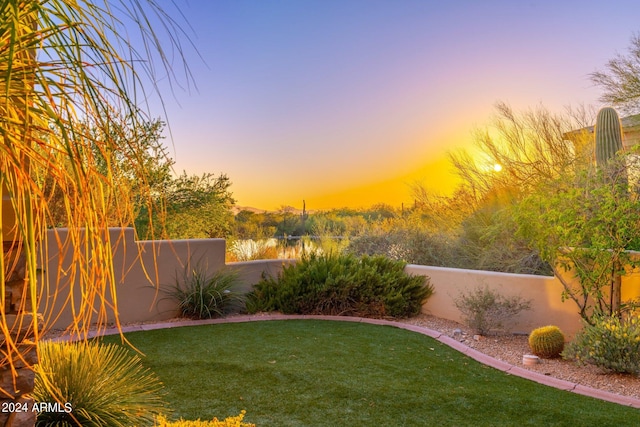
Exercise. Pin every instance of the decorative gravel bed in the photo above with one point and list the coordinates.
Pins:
(511, 348)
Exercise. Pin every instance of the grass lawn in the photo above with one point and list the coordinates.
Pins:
(324, 373)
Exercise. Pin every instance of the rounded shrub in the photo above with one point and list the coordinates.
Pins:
(344, 285)
(547, 341)
(484, 309)
(610, 342)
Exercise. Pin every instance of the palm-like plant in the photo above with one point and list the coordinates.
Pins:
(67, 67)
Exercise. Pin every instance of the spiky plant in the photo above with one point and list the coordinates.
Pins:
(203, 296)
(102, 385)
(608, 135)
(547, 341)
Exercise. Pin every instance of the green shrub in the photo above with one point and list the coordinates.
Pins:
(342, 285)
(484, 309)
(101, 385)
(547, 341)
(201, 296)
(610, 343)
(227, 422)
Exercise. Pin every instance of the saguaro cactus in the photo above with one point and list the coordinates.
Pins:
(608, 136)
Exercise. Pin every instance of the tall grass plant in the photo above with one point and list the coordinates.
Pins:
(204, 296)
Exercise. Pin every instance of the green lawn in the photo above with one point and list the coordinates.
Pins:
(324, 373)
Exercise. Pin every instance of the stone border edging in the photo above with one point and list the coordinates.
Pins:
(438, 336)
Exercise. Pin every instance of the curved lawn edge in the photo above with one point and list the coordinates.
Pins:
(444, 339)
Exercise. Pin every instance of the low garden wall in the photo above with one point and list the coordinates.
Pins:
(544, 293)
(144, 270)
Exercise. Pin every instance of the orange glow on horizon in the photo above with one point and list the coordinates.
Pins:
(436, 176)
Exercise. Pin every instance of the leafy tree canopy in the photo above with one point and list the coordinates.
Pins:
(190, 206)
(585, 222)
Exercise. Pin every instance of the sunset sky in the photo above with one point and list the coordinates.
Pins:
(347, 102)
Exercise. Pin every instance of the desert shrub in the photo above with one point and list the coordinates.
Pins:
(203, 296)
(342, 285)
(412, 245)
(484, 309)
(476, 245)
(488, 241)
(610, 343)
(102, 385)
(227, 422)
(370, 244)
(547, 341)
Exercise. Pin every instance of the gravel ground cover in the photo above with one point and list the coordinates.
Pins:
(510, 348)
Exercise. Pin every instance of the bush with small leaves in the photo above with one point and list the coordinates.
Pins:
(347, 285)
(611, 343)
(484, 309)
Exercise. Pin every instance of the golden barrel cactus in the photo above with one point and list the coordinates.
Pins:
(546, 342)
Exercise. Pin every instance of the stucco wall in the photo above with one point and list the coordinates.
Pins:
(544, 292)
(144, 269)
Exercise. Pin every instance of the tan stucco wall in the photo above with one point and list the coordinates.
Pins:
(544, 293)
(251, 272)
(141, 277)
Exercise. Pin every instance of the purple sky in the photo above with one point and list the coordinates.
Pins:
(346, 102)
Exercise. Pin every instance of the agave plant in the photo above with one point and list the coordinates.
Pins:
(95, 385)
(66, 67)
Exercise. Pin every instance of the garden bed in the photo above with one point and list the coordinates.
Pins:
(510, 348)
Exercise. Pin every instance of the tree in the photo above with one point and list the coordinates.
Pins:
(67, 67)
(488, 241)
(585, 223)
(194, 207)
(443, 213)
(621, 79)
(289, 223)
(530, 147)
(121, 153)
(250, 225)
